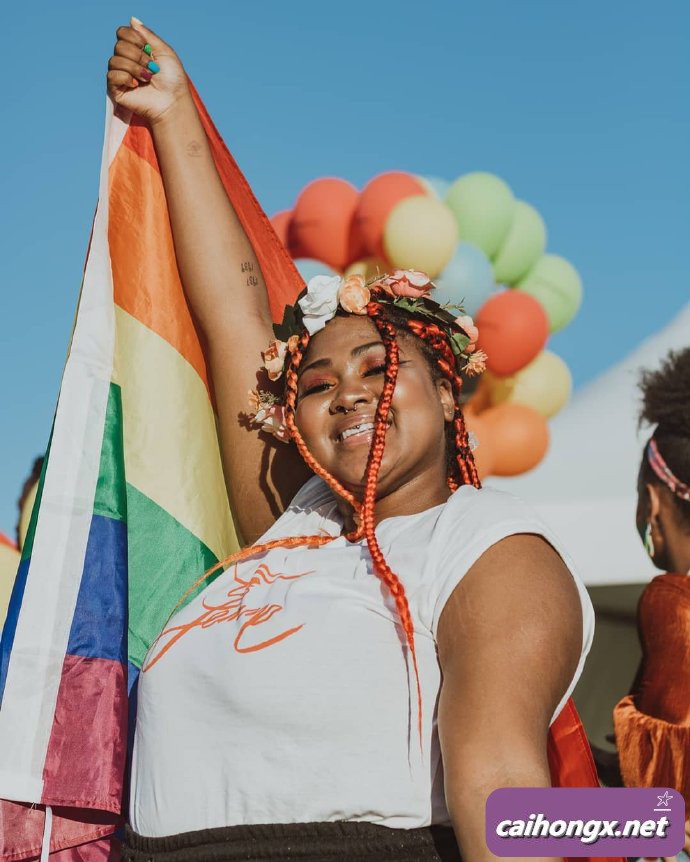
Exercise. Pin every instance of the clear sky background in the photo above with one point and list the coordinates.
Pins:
(581, 107)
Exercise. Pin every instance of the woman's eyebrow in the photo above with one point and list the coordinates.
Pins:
(356, 351)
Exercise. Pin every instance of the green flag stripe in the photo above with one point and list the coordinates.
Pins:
(111, 495)
(165, 559)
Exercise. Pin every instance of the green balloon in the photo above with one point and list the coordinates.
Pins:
(483, 208)
(557, 285)
(523, 246)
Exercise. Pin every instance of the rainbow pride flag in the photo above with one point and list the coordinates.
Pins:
(131, 507)
(131, 510)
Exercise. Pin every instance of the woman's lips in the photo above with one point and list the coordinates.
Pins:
(358, 435)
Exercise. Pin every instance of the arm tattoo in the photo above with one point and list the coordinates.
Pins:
(194, 149)
(248, 267)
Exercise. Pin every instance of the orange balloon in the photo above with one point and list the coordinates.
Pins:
(322, 224)
(483, 454)
(281, 225)
(376, 201)
(513, 328)
(519, 438)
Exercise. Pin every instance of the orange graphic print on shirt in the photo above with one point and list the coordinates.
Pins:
(234, 609)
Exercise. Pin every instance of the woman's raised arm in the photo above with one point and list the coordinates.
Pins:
(219, 270)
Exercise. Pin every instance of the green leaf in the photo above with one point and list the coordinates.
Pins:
(459, 342)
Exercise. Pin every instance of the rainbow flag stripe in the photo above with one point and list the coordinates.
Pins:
(131, 510)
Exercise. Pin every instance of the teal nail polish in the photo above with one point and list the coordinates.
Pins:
(153, 67)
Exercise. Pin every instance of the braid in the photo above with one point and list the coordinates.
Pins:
(463, 469)
(383, 570)
(291, 380)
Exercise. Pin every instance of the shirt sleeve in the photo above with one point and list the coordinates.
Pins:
(474, 522)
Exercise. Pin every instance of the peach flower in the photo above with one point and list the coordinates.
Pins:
(274, 358)
(408, 282)
(476, 364)
(466, 323)
(272, 420)
(254, 400)
(269, 413)
(354, 295)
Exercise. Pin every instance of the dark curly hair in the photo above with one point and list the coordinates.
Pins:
(666, 404)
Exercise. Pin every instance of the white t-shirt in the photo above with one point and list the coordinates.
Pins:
(284, 694)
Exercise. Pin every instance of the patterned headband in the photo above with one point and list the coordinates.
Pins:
(663, 471)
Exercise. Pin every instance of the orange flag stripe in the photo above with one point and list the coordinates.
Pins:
(139, 140)
(145, 277)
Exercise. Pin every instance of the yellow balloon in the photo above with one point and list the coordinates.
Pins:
(420, 233)
(369, 267)
(545, 385)
(9, 562)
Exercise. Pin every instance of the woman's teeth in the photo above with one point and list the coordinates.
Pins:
(358, 429)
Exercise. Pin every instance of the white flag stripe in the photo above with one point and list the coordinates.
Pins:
(49, 601)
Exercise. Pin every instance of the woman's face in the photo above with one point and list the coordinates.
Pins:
(343, 370)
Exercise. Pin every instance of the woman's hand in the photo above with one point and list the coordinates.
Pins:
(147, 84)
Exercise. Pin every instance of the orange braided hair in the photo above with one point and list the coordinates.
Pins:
(462, 469)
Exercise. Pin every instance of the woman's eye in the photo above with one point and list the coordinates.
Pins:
(317, 387)
(377, 369)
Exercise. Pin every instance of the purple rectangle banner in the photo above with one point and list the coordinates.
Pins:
(584, 821)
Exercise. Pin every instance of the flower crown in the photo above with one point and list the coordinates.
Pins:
(407, 290)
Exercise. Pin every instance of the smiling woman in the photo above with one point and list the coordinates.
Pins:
(393, 642)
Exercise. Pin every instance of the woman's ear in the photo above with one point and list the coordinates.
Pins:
(657, 527)
(654, 502)
(445, 393)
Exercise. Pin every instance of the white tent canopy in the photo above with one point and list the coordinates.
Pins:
(585, 487)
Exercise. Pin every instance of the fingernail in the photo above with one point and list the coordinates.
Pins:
(154, 67)
(134, 83)
(146, 75)
(136, 21)
(148, 49)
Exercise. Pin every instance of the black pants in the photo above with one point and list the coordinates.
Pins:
(310, 842)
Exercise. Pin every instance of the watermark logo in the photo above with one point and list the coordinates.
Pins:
(584, 821)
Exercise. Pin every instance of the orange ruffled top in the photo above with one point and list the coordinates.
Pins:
(652, 724)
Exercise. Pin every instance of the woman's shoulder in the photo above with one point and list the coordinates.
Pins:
(312, 510)
(312, 495)
(471, 522)
(669, 591)
(486, 507)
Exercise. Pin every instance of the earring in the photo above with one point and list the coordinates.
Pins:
(648, 540)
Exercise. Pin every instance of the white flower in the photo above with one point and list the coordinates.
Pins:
(320, 302)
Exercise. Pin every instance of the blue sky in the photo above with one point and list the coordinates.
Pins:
(581, 107)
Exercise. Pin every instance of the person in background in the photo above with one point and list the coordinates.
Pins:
(10, 553)
(652, 723)
(25, 503)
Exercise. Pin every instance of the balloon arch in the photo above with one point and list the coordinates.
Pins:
(485, 250)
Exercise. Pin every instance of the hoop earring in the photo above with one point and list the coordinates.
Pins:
(648, 540)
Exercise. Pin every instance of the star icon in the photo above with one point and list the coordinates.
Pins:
(665, 799)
